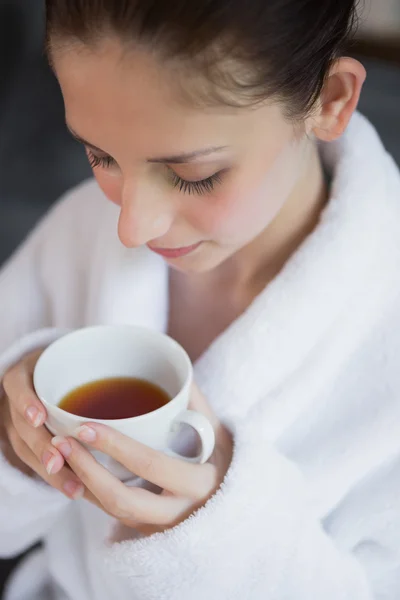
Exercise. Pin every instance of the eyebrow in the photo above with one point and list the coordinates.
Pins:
(187, 157)
(177, 159)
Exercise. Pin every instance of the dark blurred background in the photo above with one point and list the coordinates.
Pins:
(39, 160)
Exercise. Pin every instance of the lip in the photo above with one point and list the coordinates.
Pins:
(175, 252)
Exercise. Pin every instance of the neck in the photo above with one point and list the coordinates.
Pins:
(259, 262)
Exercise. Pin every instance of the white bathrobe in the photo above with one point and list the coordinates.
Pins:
(308, 380)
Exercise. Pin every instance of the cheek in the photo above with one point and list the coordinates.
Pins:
(252, 200)
(110, 185)
(240, 214)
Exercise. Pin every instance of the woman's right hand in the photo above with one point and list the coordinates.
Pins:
(23, 416)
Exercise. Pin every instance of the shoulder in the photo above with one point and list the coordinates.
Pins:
(77, 219)
(83, 207)
(79, 231)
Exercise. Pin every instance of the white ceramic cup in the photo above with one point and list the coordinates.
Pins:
(101, 352)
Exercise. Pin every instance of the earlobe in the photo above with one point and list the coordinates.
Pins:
(339, 99)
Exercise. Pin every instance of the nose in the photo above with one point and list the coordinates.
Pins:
(145, 214)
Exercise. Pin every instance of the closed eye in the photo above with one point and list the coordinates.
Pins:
(100, 161)
(200, 187)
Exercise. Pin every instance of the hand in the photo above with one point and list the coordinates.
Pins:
(186, 486)
(27, 442)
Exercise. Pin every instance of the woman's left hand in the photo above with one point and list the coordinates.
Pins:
(186, 486)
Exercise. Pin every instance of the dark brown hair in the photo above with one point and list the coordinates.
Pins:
(249, 50)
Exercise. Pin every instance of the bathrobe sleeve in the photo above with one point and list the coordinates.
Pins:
(27, 506)
(258, 538)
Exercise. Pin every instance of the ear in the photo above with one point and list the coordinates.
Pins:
(339, 99)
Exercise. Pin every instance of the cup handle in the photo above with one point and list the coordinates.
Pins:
(204, 430)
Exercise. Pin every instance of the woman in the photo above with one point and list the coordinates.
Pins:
(259, 223)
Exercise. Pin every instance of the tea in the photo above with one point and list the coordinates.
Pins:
(115, 398)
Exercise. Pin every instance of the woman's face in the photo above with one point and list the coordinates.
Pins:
(195, 185)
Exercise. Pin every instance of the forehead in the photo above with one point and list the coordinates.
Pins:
(117, 83)
(112, 96)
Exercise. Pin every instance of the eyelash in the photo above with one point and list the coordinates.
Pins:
(201, 187)
(96, 161)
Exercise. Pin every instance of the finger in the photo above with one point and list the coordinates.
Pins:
(5, 444)
(65, 481)
(223, 438)
(28, 413)
(199, 403)
(127, 504)
(39, 442)
(177, 476)
(18, 386)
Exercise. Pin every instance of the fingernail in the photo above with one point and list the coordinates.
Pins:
(34, 416)
(49, 460)
(74, 490)
(62, 445)
(86, 434)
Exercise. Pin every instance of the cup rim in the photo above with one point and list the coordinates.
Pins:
(57, 410)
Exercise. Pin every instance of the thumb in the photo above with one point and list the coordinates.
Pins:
(199, 403)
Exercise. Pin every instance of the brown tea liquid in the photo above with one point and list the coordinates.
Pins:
(115, 398)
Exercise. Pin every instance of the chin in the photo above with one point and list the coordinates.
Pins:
(202, 262)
